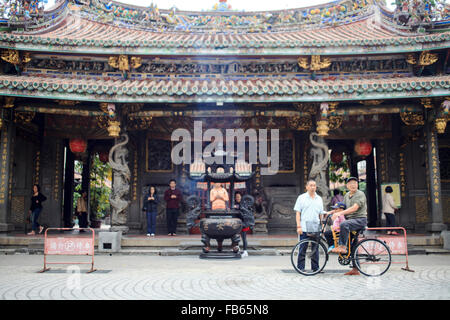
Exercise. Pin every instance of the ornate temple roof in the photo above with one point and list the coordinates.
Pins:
(101, 34)
(345, 27)
(256, 90)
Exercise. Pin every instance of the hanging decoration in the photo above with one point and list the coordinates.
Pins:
(78, 145)
(103, 156)
(363, 147)
(336, 156)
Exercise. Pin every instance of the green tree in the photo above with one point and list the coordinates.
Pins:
(100, 192)
(337, 170)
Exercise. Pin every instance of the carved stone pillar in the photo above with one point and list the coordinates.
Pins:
(121, 184)
(434, 179)
(8, 135)
(319, 167)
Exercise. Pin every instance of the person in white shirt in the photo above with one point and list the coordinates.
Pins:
(389, 209)
(308, 208)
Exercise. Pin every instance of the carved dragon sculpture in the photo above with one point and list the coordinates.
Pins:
(193, 204)
(121, 184)
(248, 217)
(319, 153)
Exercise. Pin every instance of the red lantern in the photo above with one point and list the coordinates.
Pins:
(78, 145)
(363, 147)
(336, 157)
(103, 156)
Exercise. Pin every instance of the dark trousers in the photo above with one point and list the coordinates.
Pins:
(34, 218)
(172, 220)
(83, 220)
(350, 225)
(302, 253)
(244, 239)
(390, 219)
(151, 222)
(329, 236)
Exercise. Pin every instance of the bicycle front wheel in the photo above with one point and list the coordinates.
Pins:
(309, 257)
(372, 257)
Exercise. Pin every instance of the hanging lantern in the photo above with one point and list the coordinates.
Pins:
(336, 157)
(103, 156)
(363, 147)
(78, 145)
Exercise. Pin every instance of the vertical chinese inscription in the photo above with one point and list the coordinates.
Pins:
(37, 167)
(3, 162)
(56, 187)
(11, 165)
(258, 175)
(135, 174)
(434, 166)
(402, 174)
(383, 162)
(305, 164)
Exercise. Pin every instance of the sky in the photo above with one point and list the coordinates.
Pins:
(241, 5)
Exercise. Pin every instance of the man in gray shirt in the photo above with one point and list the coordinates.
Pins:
(355, 214)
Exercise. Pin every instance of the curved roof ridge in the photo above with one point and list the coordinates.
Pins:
(378, 21)
(212, 11)
(332, 13)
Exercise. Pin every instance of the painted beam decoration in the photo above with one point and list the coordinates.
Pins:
(266, 90)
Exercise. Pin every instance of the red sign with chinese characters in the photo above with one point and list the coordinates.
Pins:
(396, 245)
(69, 246)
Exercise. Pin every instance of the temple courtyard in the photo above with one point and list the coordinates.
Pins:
(189, 278)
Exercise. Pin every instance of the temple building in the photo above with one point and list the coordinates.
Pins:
(349, 79)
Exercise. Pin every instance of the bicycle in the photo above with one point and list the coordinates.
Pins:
(372, 257)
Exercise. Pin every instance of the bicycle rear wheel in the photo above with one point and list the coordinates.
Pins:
(309, 257)
(372, 257)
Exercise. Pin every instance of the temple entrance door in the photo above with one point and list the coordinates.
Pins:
(22, 182)
(362, 168)
(371, 192)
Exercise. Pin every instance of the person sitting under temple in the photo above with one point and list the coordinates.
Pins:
(218, 197)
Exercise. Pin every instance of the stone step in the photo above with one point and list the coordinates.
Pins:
(172, 251)
(193, 242)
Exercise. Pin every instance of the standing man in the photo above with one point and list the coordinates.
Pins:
(355, 217)
(308, 208)
(173, 198)
(81, 211)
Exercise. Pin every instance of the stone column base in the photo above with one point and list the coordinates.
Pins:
(435, 227)
(109, 241)
(260, 227)
(6, 227)
(123, 229)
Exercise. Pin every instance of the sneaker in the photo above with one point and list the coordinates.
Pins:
(148, 234)
(330, 248)
(152, 235)
(244, 253)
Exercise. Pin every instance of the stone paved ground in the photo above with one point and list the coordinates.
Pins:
(188, 277)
